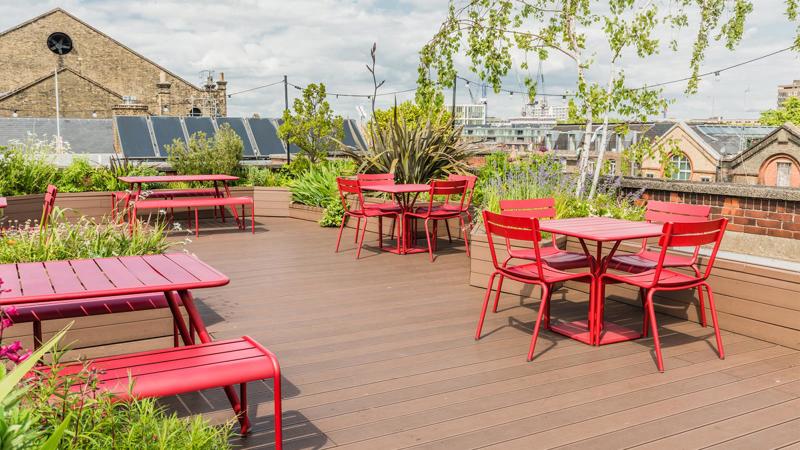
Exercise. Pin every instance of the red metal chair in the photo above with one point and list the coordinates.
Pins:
(465, 208)
(538, 208)
(374, 179)
(435, 213)
(524, 230)
(49, 204)
(363, 211)
(646, 259)
(662, 279)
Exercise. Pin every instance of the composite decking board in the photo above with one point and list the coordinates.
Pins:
(291, 292)
(776, 436)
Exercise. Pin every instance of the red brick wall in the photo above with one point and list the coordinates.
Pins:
(763, 216)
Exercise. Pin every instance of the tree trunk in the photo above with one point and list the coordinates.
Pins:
(604, 136)
(584, 159)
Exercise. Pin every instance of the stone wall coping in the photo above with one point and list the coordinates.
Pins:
(726, 189)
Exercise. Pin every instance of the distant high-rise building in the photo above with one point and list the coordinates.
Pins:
(471, 115)
(788, 90)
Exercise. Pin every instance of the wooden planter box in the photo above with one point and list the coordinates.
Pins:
(752, 299)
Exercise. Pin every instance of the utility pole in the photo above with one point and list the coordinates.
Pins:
(59, 146)
(453, 110)
(286, 109)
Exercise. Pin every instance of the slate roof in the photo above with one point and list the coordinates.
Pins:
(89, 136)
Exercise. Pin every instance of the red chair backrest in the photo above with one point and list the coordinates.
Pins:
(524, 229)
(539, 208)
(471, 180)
(348, 186)
(373, 179)
(447, 189)
(49, 204)
(663, 212)
(692, 234)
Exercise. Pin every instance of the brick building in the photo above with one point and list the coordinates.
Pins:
(97, 76)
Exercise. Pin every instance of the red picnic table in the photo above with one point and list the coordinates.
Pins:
(600, 230)
(173, 274)
(405, 195)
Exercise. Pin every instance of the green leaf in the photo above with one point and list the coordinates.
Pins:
(55, 438)
(9, 382)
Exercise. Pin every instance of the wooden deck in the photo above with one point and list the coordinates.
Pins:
(378, 354)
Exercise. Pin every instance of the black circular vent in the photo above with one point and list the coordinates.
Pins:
(59, 43)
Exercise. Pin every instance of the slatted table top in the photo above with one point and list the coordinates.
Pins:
(100, 277)
(176, 178)
(601, 229)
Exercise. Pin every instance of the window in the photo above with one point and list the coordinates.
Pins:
(612, 166)
(682, 167)
(649, 175)
(705, 179)
(784, 174)
(195, 112)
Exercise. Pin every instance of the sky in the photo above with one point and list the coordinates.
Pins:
(256, 42)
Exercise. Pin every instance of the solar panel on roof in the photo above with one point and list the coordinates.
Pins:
(134, 137)
(199, 124)
(265, 134)
(238, 127)
(352, 135)
(166, 130)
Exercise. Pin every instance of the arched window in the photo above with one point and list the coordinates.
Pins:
(195, 112)
(682, 167)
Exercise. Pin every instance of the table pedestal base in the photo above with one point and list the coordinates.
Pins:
(578, 330)
(613, 333)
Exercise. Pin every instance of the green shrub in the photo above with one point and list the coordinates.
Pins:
(317, 185)
(333, 214)
(414, 153)
(26, 168)
(84, 238)
(255, 176)
(202, 155)
(541, 175)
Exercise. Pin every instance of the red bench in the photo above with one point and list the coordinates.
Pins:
(121, 197)
(196, 203)
(173, 371)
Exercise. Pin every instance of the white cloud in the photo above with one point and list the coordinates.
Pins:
(257, 42)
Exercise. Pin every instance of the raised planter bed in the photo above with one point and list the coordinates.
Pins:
(756, 298)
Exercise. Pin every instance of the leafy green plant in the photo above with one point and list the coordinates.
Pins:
(312, 127)
(203, 155)
(25, 169)
(414, 153)
(82, 238)
(333, 214)
(255, 176)
(317, 185)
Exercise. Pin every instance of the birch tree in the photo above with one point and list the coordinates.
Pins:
(497, 35)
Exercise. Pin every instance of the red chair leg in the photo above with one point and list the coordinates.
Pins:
(700, 299)
(428, 237)
(380, 232)
(497, 294)
(645, 313)
(358, 227)
(654, 329)
(196, 223)
(542, 308)
(341, 228)
(252, 218)
(361, 241)
(546, 307)
(466, 234)
(714, 321)
(485, 305)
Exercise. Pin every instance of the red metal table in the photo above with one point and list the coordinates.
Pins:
(405, 195)
(599, 230)
(173, 274)
(137, 181)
